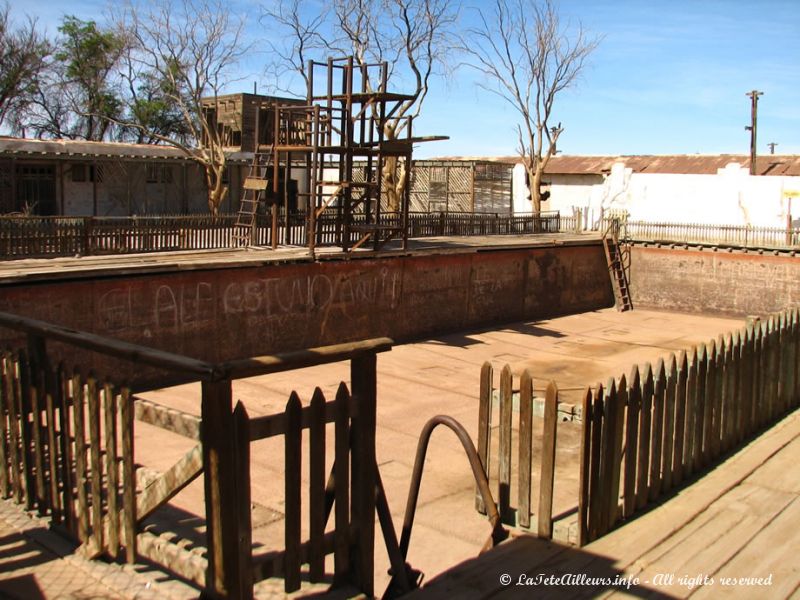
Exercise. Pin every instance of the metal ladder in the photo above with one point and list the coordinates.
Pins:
(616, 266)
(253, 192)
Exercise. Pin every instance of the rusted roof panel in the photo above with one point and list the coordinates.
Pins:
(77, 149)
(687, 164)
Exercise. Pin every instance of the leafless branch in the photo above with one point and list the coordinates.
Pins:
(527, 57)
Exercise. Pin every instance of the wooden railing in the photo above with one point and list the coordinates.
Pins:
(69, 236)
(521, 516)
(644, 435)
(67, 452)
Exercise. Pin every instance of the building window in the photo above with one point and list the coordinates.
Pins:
(159, 173)
(87, 172)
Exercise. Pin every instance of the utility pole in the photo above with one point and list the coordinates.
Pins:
(752, 128)
(772, 147)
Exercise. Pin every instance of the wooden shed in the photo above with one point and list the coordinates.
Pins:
(479, 186)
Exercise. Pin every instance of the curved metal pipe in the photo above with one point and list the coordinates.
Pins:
(498, 532)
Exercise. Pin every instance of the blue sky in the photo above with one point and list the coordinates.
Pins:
(668, 77)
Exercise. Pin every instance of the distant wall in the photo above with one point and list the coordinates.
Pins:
(238, 312)
(704, 281)
(731, 197)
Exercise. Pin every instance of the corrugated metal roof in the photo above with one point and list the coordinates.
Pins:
(83, 149)
(688, 164)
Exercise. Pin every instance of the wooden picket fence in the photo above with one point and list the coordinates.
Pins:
(521, 516)
(67, 453)
(348, 491)
(68, 236)
(645, 434)
(739, 236)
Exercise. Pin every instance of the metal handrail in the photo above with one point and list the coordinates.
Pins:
(499, 533)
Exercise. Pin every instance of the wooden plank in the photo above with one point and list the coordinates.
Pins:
(167, 418)
(769, 387)
(763, 377)
(607, 455)
(363, 375)
(615, 470)
(286, 361)
(169, 484)
(742, 385)
(52, 390)
(645, 419)
(37, 358)
(545, 525)
(275, 425)
(714, 389)
(96, 465)
(724, 432)
(293, 452)
(755, 371)
(681, 390)
(484, 427)
(595, 495)
(780, 352)
(687, 466)
(316, 476)
(657, 435)
(252, 183)
(12, 406)
(241, 438)
(668, 448)
(26, 429)
(722, 401)
(220, 490)
(526, 449)
(787, 375)
(585, 468)
(68, 478)
(746, 381)
(129, 517)
(631, 443)
(699, 408)
(5, 483)
(109, 346)
(342, 491)
(112, 470)
(796, 337)
(504, 447)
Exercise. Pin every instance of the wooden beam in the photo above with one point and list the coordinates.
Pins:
(277, 363)
(160, 491)
(111, 347)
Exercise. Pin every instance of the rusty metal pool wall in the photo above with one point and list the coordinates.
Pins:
(714, 282)
(222, 314)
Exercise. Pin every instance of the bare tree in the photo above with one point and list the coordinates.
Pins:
(189, 50)
(413, 36)
(527, 57)
(23, 57)
(306, 36)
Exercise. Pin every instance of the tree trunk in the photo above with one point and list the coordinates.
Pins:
(394, 182)
(217, 192)
(535, 186)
